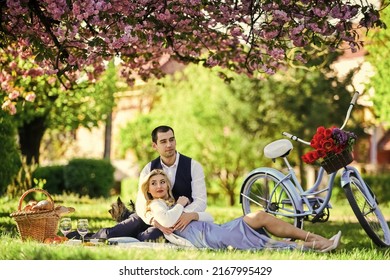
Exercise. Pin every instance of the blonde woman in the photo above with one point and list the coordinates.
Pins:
(241, 233)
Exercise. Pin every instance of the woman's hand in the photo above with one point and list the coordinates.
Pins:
(164, 230)
(183, 200)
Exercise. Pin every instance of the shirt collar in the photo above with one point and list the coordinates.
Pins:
(174, 165)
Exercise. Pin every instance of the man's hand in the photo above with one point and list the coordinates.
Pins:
(165, 230)
(184, 220)
(183, 200)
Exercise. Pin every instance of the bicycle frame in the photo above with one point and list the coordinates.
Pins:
(313, 190)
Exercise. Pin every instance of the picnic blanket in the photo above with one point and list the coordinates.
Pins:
(130, 242)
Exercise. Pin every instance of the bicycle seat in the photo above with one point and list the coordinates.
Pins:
(278, 148)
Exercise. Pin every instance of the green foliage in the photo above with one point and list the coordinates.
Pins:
(53, 176)
(9, 152)
(82, 104)
(378, 184)
(23, 180)
(378, 49)
(129, 189)
(196, 104)
(225, 126)
(84, 177)
(89, 177)
(136, 136)
(295, 101)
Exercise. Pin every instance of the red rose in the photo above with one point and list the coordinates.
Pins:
(321, 153)
(328, 144)
(306, 159)
(320, 130)
(328, 133)
(310, 157)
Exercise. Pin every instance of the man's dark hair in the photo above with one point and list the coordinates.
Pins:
(161, 128)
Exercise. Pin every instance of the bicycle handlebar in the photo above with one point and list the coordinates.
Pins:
(295, 138)
(354, 98)
(351, 105)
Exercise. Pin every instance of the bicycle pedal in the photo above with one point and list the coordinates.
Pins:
(321, 217)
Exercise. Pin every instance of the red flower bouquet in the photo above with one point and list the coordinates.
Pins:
(329, 142)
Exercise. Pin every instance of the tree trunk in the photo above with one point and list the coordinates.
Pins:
(232, 197)
(107, 137)
(30, 137)
(302, 172)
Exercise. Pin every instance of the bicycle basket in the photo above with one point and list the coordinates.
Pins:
(333, 163)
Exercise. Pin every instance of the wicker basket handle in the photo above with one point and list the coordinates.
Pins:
(21, 199)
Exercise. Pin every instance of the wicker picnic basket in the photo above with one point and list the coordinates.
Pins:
(36, 225)
(335, 162)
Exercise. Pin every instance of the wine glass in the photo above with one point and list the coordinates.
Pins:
(65, 226)
(82, 227)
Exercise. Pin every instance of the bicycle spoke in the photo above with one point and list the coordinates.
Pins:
(254, 201)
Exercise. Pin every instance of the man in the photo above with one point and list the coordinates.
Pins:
(187, 179)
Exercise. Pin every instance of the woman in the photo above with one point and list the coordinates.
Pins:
(240, 233)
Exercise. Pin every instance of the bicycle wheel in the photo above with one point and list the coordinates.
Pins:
(262, 191)
(362, 201)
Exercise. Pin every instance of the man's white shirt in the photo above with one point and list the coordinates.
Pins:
(198, 185)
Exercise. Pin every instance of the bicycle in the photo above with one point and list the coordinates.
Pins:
(282, 195)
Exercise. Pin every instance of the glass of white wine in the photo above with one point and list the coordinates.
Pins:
(65, 226)
(82, 227)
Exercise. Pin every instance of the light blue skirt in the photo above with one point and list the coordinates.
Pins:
(235, 234)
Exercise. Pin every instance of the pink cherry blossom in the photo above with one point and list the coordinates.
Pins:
(13, 95)
(70, 38)
(9, 106)
(30, 97)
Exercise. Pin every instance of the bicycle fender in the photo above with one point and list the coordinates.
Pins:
(344, 180)
(277, 174)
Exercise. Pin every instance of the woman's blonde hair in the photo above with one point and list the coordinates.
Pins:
(145, 188)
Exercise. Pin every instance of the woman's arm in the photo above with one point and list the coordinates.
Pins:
(168, 217)
(163, 215)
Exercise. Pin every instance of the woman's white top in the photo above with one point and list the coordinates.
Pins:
(168, 216)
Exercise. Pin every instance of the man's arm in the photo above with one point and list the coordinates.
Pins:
(140, 202)
(199, 192)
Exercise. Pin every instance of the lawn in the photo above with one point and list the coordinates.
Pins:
(355, 243)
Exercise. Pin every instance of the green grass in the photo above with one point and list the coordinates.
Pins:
(355, 243)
